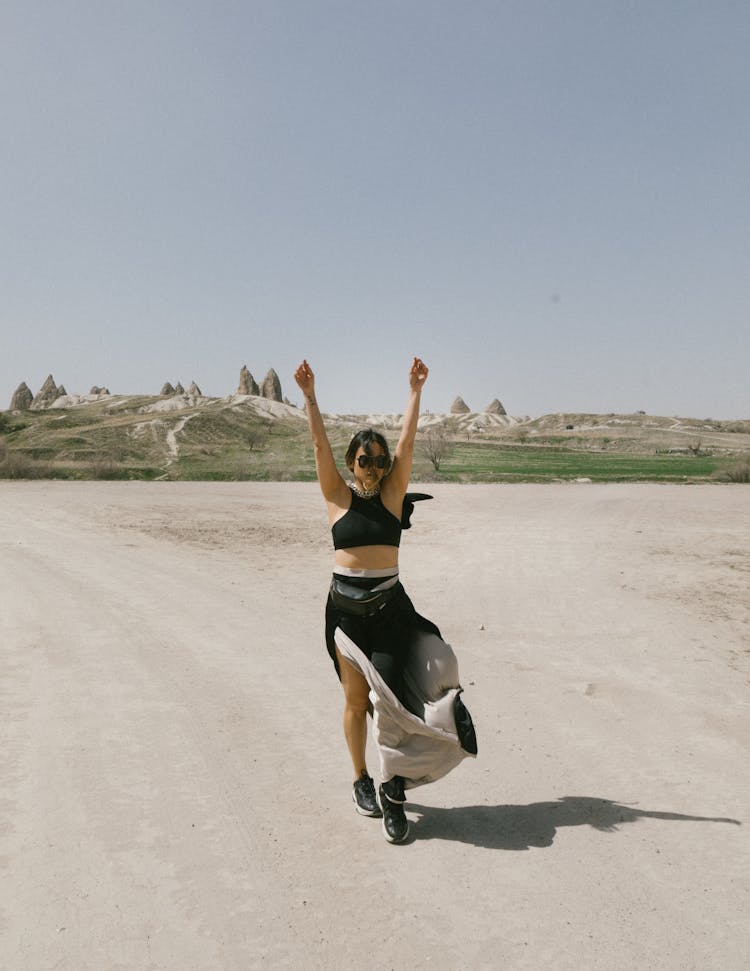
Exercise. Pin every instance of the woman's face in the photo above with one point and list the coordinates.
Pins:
(369, 476)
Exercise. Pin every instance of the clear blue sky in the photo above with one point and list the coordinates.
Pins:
(547, 201)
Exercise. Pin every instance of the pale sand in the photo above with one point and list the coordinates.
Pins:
(174, 786)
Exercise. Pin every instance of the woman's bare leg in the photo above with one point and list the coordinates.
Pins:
(356, 704)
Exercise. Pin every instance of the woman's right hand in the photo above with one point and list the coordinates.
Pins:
(305, 378)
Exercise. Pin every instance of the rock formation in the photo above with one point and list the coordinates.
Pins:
(166, 389)
(247, 383)
(271, 387)
(459, 407)
(178, 389)
(495, 407)
(61, 391)
(195, 391)
(22, 398)
(46, 394)
(97, 390)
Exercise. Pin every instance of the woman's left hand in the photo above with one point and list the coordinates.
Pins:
(305, 378)
(418, 374)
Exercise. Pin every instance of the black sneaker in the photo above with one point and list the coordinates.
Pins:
(364, 797)
(395, 823)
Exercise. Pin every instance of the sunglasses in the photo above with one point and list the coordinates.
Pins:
(365, 461)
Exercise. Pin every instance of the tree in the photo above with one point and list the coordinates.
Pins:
(257, 437)
(518, 434)
(435, 445)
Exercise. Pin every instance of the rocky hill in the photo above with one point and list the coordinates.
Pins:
(256, 434)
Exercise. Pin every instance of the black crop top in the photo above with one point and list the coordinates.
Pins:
(366, 523)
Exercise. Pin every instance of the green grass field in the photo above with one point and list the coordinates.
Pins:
(531, 463)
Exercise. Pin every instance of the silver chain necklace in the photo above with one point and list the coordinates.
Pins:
(364, 493)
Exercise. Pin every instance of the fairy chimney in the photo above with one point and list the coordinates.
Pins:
(459, 407)
(195, 391)
(22, 398)
(46, 394)
(178, 389)
(247, 383)
(271, 387)
(495, 407)
(166, 389)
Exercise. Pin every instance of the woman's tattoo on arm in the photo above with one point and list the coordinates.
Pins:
(311, 400)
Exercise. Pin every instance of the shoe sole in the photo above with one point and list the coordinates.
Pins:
(373, 814)
(391, 839)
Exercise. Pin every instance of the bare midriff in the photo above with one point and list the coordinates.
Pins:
(368, 558)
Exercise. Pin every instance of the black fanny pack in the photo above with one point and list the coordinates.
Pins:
(359, 601)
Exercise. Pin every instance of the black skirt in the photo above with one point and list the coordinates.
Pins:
(383, 638)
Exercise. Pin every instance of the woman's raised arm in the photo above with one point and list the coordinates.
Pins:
(332, 486)
(400, 473)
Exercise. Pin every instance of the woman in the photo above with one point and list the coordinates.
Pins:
(390, 660)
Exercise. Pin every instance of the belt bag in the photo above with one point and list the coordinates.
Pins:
(356, 600)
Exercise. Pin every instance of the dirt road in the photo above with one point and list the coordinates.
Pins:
(174, 786)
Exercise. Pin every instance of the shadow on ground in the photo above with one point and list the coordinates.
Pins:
(521, 827)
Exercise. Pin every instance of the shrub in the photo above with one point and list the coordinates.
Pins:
(738, 472)
(105, 468)
(17, 465)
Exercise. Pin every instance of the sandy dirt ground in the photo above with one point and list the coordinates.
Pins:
(174, 785)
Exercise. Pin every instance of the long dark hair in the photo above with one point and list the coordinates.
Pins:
(365, 439)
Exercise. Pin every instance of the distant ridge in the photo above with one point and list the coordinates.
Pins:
(50, 395)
